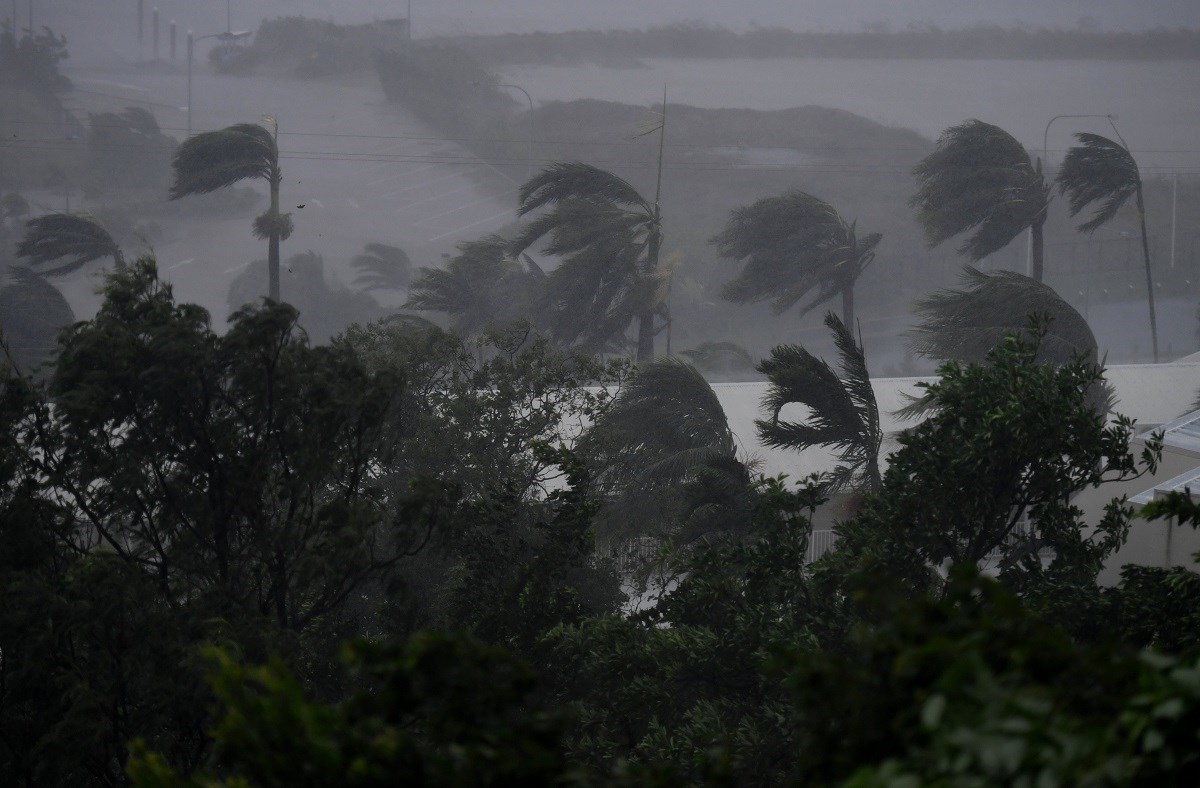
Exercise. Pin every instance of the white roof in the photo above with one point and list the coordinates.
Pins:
(1151, 394)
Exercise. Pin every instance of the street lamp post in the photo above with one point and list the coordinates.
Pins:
(1046, 166)
(191, 44)
(529, 167)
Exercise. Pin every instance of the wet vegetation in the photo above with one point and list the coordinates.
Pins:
(481, 522)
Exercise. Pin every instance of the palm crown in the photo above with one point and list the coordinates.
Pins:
(61, 243)
(795, 246)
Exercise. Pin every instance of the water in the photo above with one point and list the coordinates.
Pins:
(1155, 102)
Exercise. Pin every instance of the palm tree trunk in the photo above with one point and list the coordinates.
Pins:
(1037, 252)
(273, 240)
(848, 306)
(1141, 209)
(645, 342)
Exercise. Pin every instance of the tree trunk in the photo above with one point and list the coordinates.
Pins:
(1038, 258)
(273, 242)
(848, 306)
(1141, 209)
(645, 344)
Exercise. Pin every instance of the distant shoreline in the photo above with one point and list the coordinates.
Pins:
(626, 48)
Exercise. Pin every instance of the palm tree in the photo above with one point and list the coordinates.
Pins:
(968, 323)
(795, 246)
(216, 159)
(482, 285)
(382, 267)
(609, 238)
(1101, 170)
(843, 413)
(663, 438)
(32, 311)
(71, 240)
(982, 181)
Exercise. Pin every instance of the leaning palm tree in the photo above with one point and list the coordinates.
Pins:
(1102, 170)
(795, 246)
(967, 323)
(61, 243)
(483, 285)
(382, 267)
(216, 159)
(663, 437)
(843, 413)
(32, 312)
(981, 181)
(609, 238)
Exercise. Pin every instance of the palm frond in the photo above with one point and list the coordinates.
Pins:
(965, 324)
(1098, 170)
(382, 267)
(793, 246)
(979, 180)
(842, 411)
(70, 240)
(575, 180)
(216, 159)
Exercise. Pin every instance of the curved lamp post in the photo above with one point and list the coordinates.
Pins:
(529, 98)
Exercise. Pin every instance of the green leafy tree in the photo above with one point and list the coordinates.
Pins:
(609, 238)
(966, 324)
(843, 414)
(1100, 170)
(795, 246)
(217, 159)
(437, 710)
(981, 181)
(32, 311)
(988, 478)
(61, 243)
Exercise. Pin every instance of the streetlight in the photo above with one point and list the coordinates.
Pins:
(529, 98)
(1046, 168)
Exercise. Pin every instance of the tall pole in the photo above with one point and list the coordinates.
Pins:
(228, 16)
(529, 168)
(408, 22)
(190, 46)
(1174, 213)
(172, 39)
(141, 12)
(154, 26)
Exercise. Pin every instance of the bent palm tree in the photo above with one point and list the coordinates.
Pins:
(843, 413)
(216, 159)
(382, 267)
(793, 245)
(663, 438)
(482, 285)
(609, 238)
(70, 240)
(1104, 171)
(982, 181)
(32, 311)
(968, 323)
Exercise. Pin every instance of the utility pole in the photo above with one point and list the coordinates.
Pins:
(154, 26)
(1174, 213)
(141, 13)
(172, 39)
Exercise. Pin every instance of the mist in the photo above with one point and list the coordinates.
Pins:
(617, 393)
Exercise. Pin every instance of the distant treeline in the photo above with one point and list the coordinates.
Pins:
(624, 47)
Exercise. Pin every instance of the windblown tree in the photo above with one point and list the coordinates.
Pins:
(32, 311)
(982, 182)
(483, 285)
(843, 414)
(1100, 170)
(609, 238)
(217, 159)
(382, 267)
(665, 458)
(62, 243)
(967, 323)
(795, 247)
